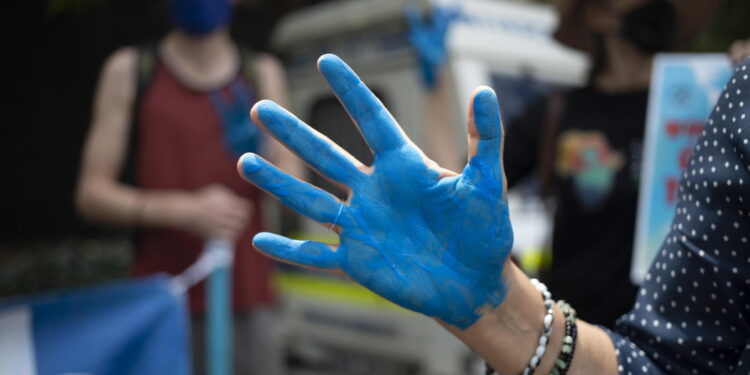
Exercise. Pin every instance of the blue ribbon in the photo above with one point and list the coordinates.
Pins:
(428, 38)
(241, 135)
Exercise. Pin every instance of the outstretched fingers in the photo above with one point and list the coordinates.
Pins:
(302, 253)
(485, 135)
(302, 197)
(379, 129)
(311, 146)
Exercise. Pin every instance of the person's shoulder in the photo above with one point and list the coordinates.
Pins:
(741, 76)
(729, 122)
(121, 63)
(117, 77)
(735, 100)
(736, 91)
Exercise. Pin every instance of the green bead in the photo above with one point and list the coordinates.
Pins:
(555, 371)
(561, 364)
(568, 340)
(567, 349)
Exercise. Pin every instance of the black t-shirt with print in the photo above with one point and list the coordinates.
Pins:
(594, 171)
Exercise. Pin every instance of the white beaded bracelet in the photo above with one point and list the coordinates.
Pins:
(549, 317)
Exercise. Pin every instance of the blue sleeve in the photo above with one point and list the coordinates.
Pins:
(692, 313)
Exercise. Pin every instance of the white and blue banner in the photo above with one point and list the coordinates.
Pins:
(131, 327)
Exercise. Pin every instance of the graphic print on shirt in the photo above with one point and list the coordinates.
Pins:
(587, 158)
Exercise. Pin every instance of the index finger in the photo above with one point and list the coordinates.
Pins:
(379, 129)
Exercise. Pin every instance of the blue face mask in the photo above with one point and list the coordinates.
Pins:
(200, 17)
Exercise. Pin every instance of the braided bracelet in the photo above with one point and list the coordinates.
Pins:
(546, 331)
(562, 364)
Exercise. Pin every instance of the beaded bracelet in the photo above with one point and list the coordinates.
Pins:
(546, 331)
(562, 363)
(549, 317)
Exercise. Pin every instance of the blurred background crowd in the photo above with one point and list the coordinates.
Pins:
(572, 78)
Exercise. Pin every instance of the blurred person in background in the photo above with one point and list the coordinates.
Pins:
(169, 122)
(585, 144)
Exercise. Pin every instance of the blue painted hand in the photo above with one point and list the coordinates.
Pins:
(421, 236)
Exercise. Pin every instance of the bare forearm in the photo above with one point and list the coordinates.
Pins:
(126, 206)
(595, 353)
(507, 336)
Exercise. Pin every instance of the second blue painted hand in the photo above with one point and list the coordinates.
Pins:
(431, 243)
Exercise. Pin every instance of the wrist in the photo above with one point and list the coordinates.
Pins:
(139, 210)
(162, 209)
(506, 336)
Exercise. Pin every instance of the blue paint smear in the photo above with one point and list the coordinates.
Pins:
(432, 244)
(428, 38)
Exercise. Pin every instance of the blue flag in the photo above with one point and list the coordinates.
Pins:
(130, 327)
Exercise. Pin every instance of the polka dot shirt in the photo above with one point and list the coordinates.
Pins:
(692, 313)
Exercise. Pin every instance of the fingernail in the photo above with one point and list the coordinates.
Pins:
(336, 72)
(250, 163)
(266, 109)
(328, 58)
(486, 102)
(486, 114)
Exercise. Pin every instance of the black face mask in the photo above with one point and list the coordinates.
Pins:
(652, 26)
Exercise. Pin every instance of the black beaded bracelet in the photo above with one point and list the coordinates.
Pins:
(563, 361)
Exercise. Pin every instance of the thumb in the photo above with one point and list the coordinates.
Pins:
(485, 136)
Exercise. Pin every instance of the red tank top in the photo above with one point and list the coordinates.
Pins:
(180, 146)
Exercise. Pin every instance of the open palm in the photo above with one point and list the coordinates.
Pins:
(423, 237)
